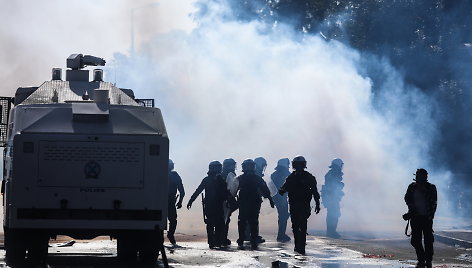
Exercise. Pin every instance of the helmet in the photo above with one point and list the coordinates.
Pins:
(299, 162)
(229, 164)
(284, 162)
(337, 162)
(421, 174)
(171, 165)
(248, 165)
(261, 164)
(215, 167)
(260, 161)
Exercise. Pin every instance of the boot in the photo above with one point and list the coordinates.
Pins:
(333, 234)
(420, 264)
(300, 250)
(283, 238)
(240, 244)
(259, 239)
(429, 264)
(171, 239)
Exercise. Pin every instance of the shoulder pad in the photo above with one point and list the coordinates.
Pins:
(307, 173)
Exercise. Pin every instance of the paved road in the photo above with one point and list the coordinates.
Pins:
(102, 253)
(321, 252)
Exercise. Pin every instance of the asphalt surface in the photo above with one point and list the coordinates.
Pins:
(193, 251)
(461, 238)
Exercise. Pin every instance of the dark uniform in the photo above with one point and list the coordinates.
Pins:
(301, 187)
(216, 193)
(281, 203)
(421, 198)
(251, 187)
(331, 195)
(175, 183)
(229, 168)
(261, 165)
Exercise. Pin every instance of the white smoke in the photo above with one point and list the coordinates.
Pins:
(39, 35)
(241, 90)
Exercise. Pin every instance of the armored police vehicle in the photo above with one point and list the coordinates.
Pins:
(83, 158)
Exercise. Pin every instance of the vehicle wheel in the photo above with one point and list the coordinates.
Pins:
(15, 246)
(127, 248)
(149, 249)
(38, 247)
(148, 255)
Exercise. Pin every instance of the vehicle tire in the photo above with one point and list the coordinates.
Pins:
(148, 255)
(38, 247)
(127, 248)
(15, 246)
(150, 246)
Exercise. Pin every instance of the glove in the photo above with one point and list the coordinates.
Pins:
(317, 208)
(179, 205)
(271, 203)
(189, 205)
(406, 216)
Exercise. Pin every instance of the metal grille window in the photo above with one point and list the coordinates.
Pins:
(5, 104)
(146, 102)
(85, 152)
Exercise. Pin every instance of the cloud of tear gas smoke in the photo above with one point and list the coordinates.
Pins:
(241, 90)
(38, 35)
(244, 89)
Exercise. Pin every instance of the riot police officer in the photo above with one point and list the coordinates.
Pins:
(261, 165)
(421, 198)
(229, 174)
(175, 183)
(278, 178)
(216, 193)
(251, 187)
(331, 195)
(301, 187)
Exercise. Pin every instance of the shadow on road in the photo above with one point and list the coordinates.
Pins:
(98, 260)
